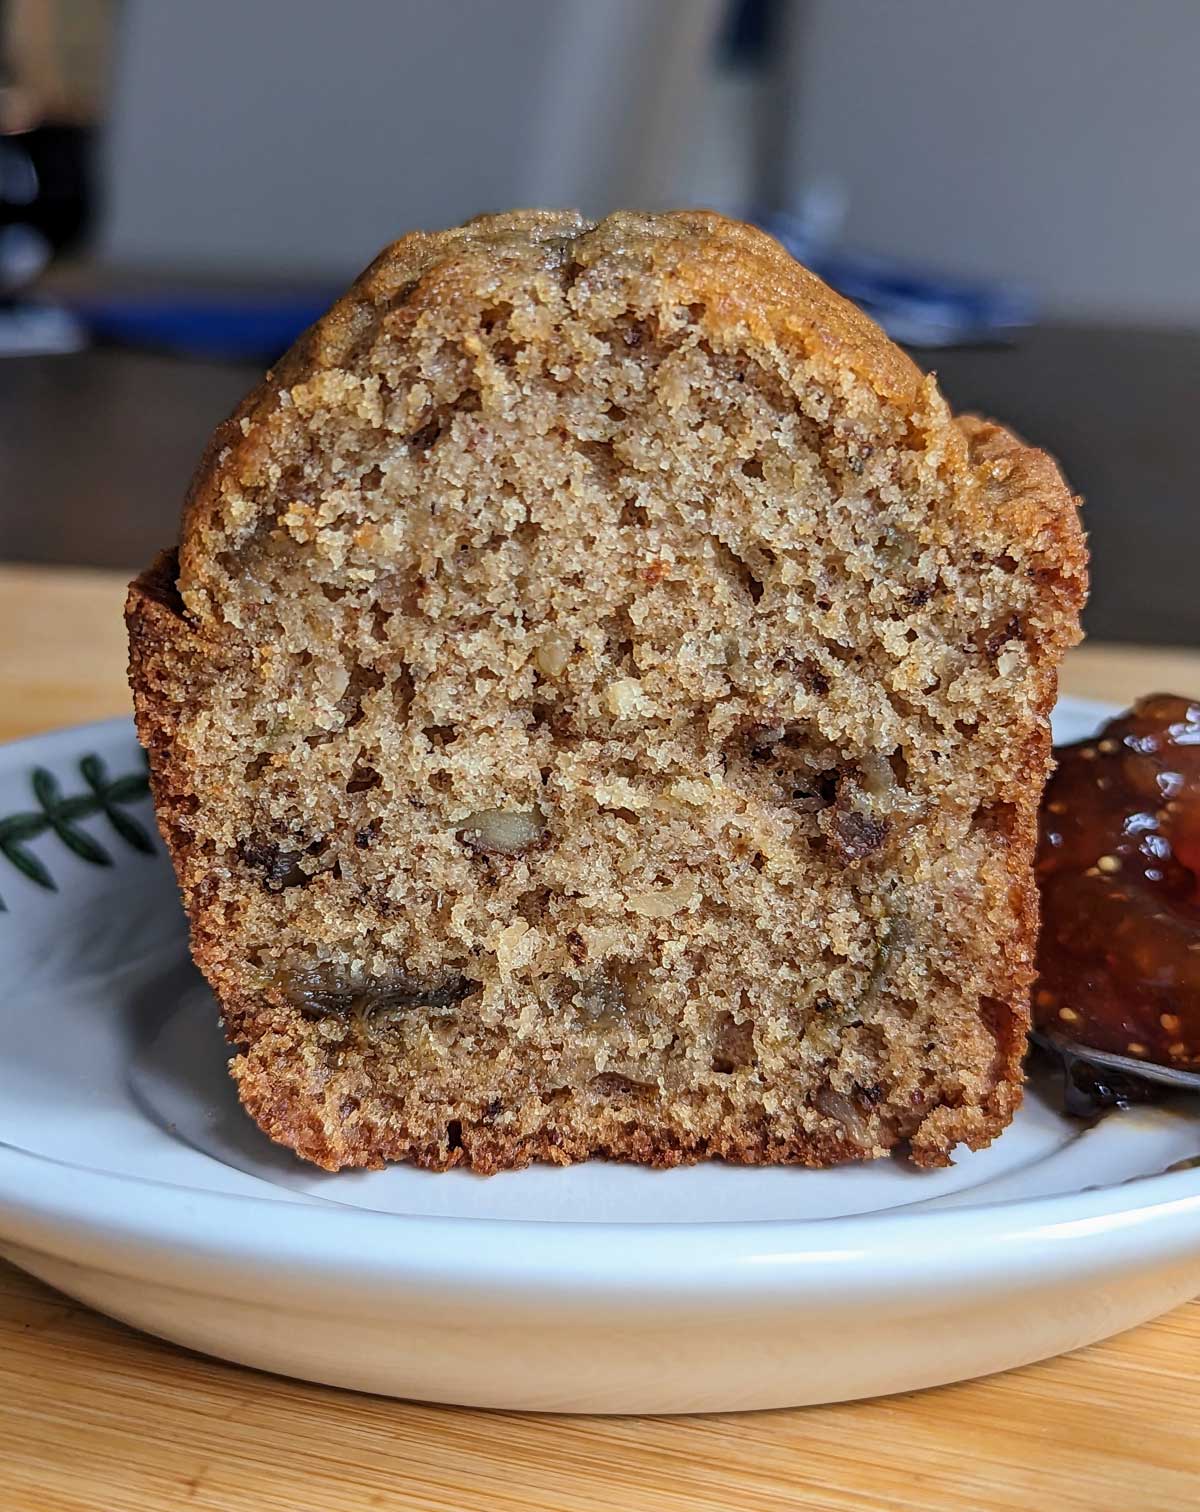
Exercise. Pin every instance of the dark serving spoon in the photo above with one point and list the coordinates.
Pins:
(1096, 1080)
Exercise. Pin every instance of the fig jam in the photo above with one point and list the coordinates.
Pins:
(1119, 871)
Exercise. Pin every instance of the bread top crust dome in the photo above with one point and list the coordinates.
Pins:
(739, 284)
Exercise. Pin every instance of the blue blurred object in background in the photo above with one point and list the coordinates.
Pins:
(918, 307)
(219, 327)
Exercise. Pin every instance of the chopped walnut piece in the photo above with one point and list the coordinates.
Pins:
(843, 1110)
(506, 832)
(661, 905)
(553, 654)
(626, 699)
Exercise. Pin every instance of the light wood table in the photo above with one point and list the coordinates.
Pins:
(94, 1416)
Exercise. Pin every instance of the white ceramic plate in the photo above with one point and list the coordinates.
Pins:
(130, 1179)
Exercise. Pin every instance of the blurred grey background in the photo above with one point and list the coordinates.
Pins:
(243, 151)
(1051, 141)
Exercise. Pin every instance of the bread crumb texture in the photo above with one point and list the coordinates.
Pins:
(600, 706)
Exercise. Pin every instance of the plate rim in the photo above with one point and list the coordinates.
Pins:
(307, 1244)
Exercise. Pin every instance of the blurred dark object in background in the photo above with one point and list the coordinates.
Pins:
(53, 67)
(46, 198)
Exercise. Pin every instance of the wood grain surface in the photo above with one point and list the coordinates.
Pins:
(97, 1418)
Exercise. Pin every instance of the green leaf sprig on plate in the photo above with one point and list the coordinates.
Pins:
(59, 814)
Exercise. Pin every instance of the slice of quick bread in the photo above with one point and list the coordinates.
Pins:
(600, 707)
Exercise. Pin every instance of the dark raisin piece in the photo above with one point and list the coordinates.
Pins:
(279, 868)
(856, 835)
(615, 1085)
(328, 991)
(365, 838)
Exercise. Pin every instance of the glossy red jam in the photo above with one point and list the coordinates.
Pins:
(1119, 871)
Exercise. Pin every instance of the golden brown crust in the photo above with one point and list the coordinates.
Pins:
(745, 294)
(743, 278)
